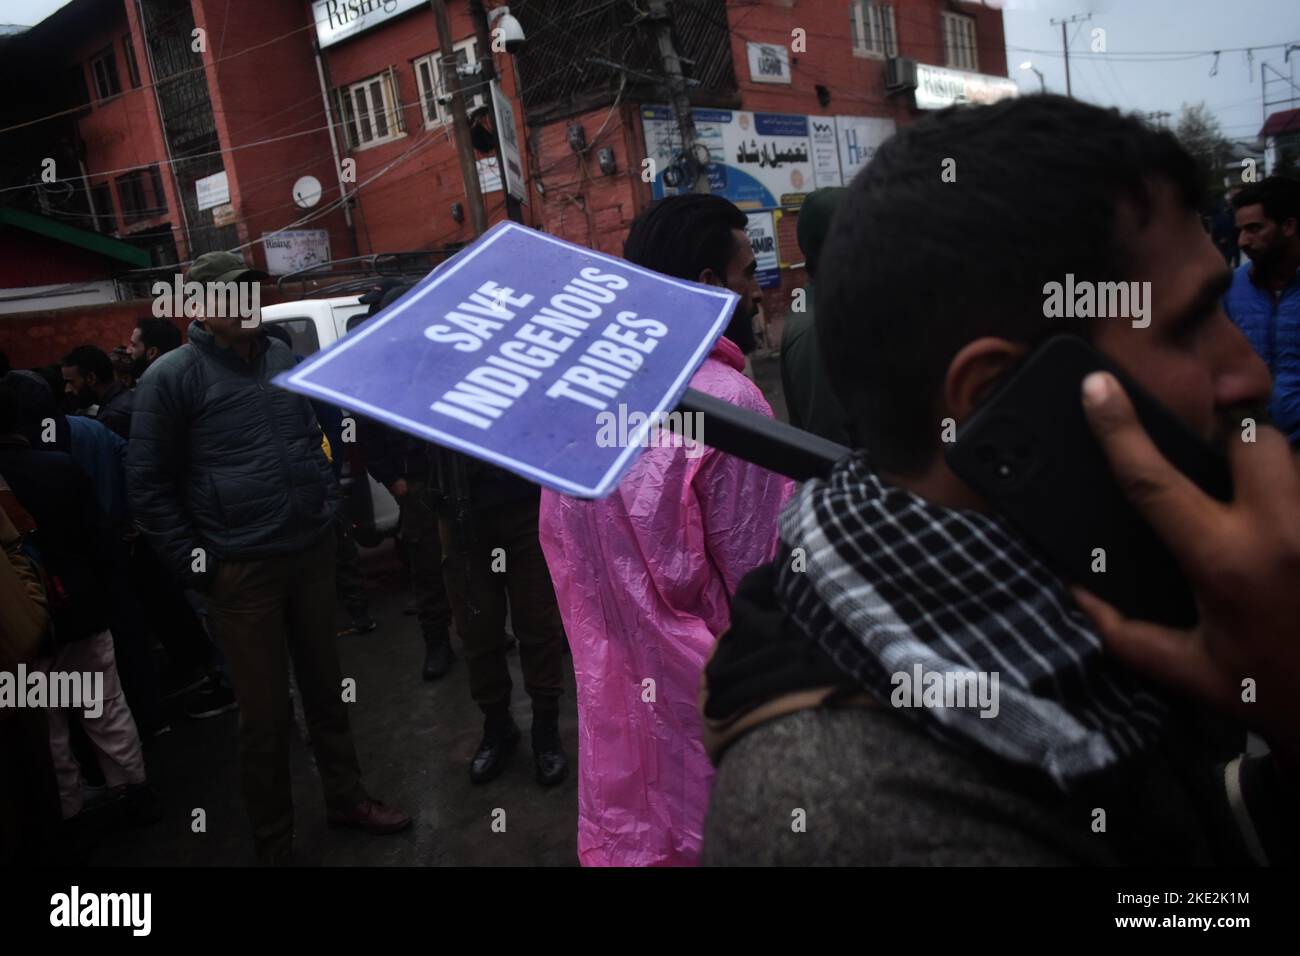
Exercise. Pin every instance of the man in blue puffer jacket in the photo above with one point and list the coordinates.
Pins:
(1264, 300)
(227, 477)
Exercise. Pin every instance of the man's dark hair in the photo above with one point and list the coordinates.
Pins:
(159, 334)
(684, 235)
(915, 267)
(88, 359)
(1279, 196)
(53, 375)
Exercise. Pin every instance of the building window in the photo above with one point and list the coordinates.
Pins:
(872, 27)
(74, 82)
(428, 77)
(140, 195)
(370, 111)
(132, 69)
(103, 67)
(959, 42)
(102, 197)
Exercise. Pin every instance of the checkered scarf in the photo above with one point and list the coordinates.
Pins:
(892, 581)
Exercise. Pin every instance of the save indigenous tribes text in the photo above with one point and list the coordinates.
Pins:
(538, 345)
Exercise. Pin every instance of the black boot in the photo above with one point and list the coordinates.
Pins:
(437, 656)
(500, 737)
(548, 753)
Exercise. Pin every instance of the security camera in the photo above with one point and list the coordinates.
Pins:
(510, 28)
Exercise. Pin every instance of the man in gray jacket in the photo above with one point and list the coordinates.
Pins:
(912, 681)
(228, 479)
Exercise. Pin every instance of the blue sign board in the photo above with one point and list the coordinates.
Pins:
(514, 349)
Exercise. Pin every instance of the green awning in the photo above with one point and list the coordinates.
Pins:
(62, 232)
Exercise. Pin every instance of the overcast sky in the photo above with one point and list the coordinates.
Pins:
(1128, 75)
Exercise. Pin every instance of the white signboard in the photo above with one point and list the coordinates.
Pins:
(859, 137)
(509, 137)
(825, 152)
(768, 63)
(339, 20)
(937, 87)
(489, 175)
(212, 190)
(295, 249)
(761, 229)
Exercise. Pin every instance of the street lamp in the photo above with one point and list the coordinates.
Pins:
(1042, 84)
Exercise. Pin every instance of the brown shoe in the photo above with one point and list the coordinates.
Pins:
(370, 815)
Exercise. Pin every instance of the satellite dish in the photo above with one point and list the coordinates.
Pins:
(306, 191)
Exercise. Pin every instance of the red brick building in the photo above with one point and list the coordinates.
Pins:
(180, 126)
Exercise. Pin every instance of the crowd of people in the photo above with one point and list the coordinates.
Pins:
(734, 637)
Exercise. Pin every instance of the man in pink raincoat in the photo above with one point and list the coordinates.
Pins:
(645, 576)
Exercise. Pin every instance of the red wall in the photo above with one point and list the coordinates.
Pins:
(41, 338)
(271, 92)
(123, 132)
(30, 339)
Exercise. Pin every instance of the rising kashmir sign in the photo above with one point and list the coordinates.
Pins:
(518, 350)
(339, 20)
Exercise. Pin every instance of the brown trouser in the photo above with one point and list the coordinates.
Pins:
(526, 582)
(262, 612)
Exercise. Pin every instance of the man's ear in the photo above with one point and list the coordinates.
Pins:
(709, 277)
(151, 352)
(975, 370)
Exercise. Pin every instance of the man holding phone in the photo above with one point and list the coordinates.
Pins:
(840, 689)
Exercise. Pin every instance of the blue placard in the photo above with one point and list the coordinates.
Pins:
(512, 350)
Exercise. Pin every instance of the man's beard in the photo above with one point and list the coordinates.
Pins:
(741, 328)
(138, 366)
(1265, 259)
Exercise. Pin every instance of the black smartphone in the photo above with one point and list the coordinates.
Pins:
(1029, 451)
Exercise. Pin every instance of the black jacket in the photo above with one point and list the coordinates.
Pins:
(115, 409)
(390, 454)
(220, 458)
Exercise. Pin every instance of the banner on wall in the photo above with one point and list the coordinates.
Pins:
(859, 138)
(826, 151)
(761, 228)
(758, 160)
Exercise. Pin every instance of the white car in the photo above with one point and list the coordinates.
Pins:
(313, 324)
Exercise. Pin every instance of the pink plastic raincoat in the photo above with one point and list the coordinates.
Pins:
(644, 580)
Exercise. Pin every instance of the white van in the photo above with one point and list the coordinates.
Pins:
(312, 325)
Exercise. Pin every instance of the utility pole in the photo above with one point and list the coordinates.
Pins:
(1065, 44)
(488, 73)
(460, 125)
(663, 28)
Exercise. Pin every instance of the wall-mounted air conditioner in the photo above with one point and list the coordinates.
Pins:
(900, 74)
